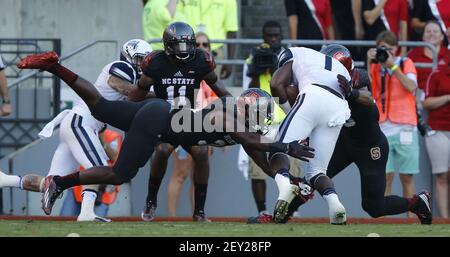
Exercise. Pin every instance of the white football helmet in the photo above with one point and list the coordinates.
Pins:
(135, 50)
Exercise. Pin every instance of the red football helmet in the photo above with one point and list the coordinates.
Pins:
(340, 53)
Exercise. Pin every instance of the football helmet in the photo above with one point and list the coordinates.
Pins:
(179, 41)
(340, 53)
(256, 106)
(134, 52)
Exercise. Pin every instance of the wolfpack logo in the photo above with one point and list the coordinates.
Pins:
(178, 81)
(375, 153)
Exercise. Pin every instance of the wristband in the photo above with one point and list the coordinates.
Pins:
(393, 68)
(278, 147)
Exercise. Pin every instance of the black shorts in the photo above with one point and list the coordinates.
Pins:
(144, 123)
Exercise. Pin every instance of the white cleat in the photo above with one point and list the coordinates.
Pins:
(287, 192)
(338, 215)
(92, 217)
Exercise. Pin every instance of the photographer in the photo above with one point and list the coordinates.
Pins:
(394, 81)
(257, 73)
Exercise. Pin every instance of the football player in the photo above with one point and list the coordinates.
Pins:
(151, 121)
(317, 116)
(79, 143)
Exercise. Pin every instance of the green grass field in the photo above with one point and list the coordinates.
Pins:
(214, 229)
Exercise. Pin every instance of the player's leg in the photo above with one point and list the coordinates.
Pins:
(201, 175)
(137, 148)
(324, 138)
(182, 169)
(158, 169)
(296, 126)
(79, 133)
(116, 113)
(371, 163)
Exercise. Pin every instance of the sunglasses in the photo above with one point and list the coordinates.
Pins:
(204, 44)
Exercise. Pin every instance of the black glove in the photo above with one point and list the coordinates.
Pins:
(300, 151)
(345, 85)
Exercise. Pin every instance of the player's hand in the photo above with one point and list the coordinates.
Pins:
(365, 98)
(345, 85)
(300, 151)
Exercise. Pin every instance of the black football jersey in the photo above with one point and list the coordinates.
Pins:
(173, 80)
(196, 133)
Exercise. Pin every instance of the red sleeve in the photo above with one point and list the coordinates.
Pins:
(146, 63)
(328, 21)
(403, 10)
(432, 84)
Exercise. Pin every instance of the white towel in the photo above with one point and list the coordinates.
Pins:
(243, 162)
(47, 131)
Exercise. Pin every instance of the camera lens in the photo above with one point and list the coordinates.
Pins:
(381, 55)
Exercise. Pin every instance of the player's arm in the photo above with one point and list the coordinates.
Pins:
(252, 140)
(260, 158)
(120, 85)
(282, 78)
(216, 85)
(140, 92)
(211, 77)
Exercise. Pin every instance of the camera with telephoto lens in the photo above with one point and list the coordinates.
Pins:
(381, 55)
(423, 127)
(264, 59)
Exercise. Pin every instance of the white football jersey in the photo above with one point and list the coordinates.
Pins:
(313, 67)
(119, 69)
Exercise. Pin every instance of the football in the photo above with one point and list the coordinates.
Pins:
(292, 92)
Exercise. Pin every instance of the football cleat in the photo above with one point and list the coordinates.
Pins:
(338, 215)
(287, 192)
(42, 61)
(148, 214)
(51, 193)
(200, 216)
(92, 217)
(422, 207)
(262, 218)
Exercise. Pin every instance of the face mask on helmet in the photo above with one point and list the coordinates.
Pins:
(255, 105)
(183, 50)
(135, 51)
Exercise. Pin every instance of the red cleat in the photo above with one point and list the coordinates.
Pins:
(262, 218)
(39, 61)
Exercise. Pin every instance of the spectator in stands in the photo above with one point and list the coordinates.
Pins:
(183, 163)
(394, 81)
(106, 195)
(437, 101)
(157, 14)
(308, 19)
(432, 34)
(381, 15)
(424, 11)
(5, 109)
(257, 73)
(219, 20)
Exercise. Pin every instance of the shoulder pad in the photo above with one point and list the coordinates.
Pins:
(209, 59)
(123, 70)
(285, 57)
(149, 58)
